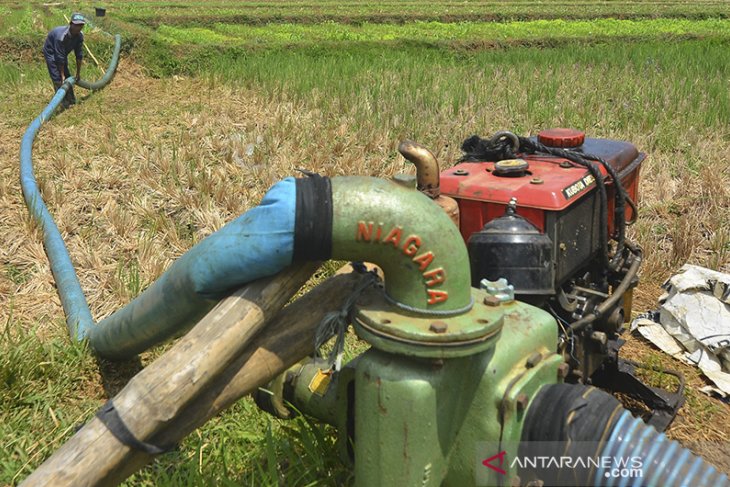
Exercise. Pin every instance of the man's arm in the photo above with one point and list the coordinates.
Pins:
(61, 70)
(79, 51)
(60, 57)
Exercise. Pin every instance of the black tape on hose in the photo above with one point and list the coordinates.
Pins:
(313, 227)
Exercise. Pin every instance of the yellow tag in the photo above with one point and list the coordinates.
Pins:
(320, 382)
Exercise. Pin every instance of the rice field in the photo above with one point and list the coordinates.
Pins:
(154, 13)
(544, 31)
(212, 105)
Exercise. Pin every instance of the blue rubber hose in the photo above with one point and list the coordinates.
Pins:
(109, 73)
(663, 462)
(78, 316)
(258, 243)
(576, 421)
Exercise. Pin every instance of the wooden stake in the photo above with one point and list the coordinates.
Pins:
(157, 396)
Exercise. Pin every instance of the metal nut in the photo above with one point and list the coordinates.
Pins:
(522, 401)
(461, 172)
(566, 165)
(536, 181)
(438, 327)
(492, 301)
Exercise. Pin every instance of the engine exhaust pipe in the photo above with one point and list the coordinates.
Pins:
(427, 167)
(428, 180)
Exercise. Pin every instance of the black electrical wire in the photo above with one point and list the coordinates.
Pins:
(530, 146)
(619, 210)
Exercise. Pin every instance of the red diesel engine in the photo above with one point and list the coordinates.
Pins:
(548, 214)
(558, 234)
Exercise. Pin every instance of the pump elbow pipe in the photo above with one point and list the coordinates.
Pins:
(351, 218)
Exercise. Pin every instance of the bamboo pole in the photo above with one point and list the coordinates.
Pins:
(286, 340)
(156, 397)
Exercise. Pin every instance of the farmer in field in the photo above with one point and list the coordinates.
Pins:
(59, 44)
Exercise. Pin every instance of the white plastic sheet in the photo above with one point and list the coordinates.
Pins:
(693, 323)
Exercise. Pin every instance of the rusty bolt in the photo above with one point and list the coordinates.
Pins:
(533, 360)
(536, 181)
(438, 327)
(492, 301)
(563, 370)
(522, 401)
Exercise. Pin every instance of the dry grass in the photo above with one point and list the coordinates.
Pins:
(684, 219)
(136, 174)
(134, 187)
(683, 215)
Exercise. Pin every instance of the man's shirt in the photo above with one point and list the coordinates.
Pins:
(59, 44)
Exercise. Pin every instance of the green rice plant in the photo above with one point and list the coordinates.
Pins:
(129, 281)
(545, 31)
(10, 73)
(42, 382)
(190, 35)
(666, 88)
(393, 11)
(4, 14)
(20, 21)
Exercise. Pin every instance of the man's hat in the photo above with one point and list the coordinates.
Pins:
(78, 19)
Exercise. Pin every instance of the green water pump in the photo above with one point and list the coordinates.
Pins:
(459, 383)
(414, 408)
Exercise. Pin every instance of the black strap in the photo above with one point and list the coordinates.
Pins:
(313, 226)
(111, 419)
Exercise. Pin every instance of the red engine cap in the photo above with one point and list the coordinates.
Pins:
(561, 137)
